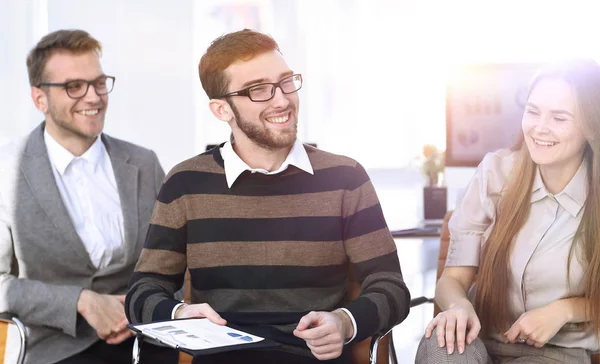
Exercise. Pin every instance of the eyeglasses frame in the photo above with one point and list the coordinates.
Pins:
(246, 91)
(64, 85)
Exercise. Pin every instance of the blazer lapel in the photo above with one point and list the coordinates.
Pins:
(37, 170)
(126, 175)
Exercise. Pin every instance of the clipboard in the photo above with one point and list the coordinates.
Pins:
(199, 336)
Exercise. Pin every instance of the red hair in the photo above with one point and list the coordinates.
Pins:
(242, 45)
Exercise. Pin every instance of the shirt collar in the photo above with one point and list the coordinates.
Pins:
(538, 190)
(235, 166)
(572, 197)
(61, 158)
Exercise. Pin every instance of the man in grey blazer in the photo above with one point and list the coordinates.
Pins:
(74, 209)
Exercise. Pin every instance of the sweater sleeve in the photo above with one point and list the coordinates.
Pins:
(384, 299)
(161, 267)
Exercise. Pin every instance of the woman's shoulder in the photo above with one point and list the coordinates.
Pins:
(501, 160)
(496, 166)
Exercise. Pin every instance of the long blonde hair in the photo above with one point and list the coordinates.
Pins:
(494, 278)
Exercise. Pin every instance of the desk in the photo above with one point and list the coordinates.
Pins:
(420, 232)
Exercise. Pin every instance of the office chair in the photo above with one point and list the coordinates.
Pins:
(10, 319)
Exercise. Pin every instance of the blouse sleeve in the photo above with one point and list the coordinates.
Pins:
(475, 214)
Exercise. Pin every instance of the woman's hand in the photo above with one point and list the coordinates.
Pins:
(537, 326)
(452, 325)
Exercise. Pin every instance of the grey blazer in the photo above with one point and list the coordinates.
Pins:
(43, 262)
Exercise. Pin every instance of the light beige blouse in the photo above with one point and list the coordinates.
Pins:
(538, 260)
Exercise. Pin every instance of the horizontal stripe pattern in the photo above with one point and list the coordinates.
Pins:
(274, 301)
(272, 247)
(285, 253)
(164, 238)
(369, 246)
(320, 160)
(204, 162)
(385, 263)
(363, 222)
(163, 261)
(206, 183)
(360, 198)
(146, 291)
(165, 282)
(172, 215)
(248, 207)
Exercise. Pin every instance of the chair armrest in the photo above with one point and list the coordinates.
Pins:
(420, 300)
(13, 319)
(376, 338)
(137, 348)
(375, 347)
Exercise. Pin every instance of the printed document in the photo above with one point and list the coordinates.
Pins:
(195, 334)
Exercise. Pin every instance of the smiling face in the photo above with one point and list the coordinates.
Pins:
(551, 128)
(67, 118)
(270, 124)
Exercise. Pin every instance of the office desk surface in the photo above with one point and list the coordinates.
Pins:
(430, 231)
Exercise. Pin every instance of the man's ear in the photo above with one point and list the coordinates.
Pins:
(40, 99)
(221, 109)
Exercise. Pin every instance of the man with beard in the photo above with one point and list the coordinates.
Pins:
(74, 210)
(268, 227)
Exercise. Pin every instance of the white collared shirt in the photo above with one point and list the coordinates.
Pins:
(89, 191)
(234, 165)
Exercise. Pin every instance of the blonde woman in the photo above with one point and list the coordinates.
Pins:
(529, 229)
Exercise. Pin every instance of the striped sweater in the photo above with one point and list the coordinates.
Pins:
(271, 248)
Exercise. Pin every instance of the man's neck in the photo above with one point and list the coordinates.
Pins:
(75, 144)
(257, 157)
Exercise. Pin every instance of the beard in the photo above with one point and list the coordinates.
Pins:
(66, 123)
(264, 137)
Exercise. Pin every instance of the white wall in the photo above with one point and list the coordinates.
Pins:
(153, 48)
(374, 69)
(21, 25)
(147, 46)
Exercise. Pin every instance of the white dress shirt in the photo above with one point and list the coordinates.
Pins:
(235, 166)
(89, 191)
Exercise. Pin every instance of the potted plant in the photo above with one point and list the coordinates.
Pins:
(434, 193)
(433, 166)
